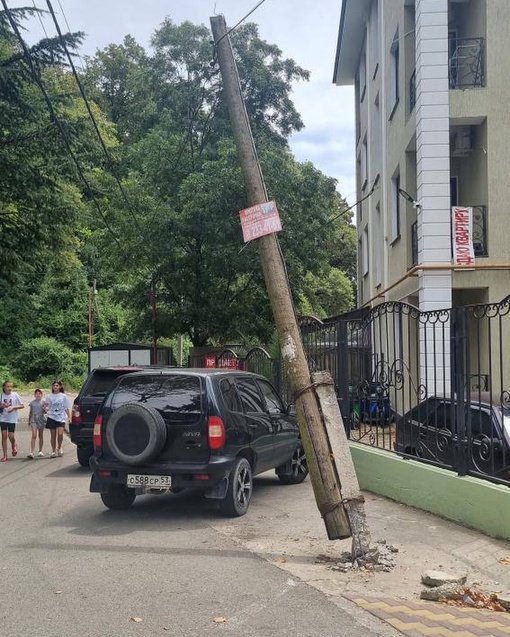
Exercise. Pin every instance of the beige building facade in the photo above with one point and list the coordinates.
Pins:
(432, 165)
(432, 132)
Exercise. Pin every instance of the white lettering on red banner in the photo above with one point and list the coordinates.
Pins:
(462, 224)
(260, 220)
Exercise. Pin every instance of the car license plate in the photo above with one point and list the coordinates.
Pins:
(153, 482)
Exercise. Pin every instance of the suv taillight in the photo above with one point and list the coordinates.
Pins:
(76, 415)
(97, 435)
(216, 432)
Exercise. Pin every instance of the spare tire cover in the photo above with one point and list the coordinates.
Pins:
(135, 433)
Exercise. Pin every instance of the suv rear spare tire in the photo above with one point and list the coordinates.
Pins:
(135, 433)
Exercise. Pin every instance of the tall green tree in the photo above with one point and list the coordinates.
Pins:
(184, 235)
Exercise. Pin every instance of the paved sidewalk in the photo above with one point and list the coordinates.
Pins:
(289, 532)
(418, 618)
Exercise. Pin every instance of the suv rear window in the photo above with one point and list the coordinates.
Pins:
(177, 398)
(100, 382)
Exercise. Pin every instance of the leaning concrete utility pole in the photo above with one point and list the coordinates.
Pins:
(323, 472)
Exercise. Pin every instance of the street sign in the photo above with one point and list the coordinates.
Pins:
(260, 220)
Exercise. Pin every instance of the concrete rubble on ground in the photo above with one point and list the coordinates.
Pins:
(452, 589)
(378, 558)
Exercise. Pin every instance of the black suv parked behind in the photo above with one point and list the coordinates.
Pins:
(212, 429)
(86, 405)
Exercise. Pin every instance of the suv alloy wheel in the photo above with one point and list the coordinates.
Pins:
(240, 487)
(295, 470)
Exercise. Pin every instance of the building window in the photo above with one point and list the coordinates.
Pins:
(376, 139)
(378, 246)
(375, 37)
(364, 163)
(363, 72)
(365, 252)
(395, 78)
(395, 204)
(454, 191)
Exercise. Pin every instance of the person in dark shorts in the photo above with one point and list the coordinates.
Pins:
(58, 412)
(37, 422)
(10, 404)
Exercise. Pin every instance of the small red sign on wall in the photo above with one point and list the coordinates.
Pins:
(228, 362)
(260, 220)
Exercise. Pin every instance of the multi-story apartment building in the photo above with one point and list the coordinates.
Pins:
(432, 156)
(432, 132)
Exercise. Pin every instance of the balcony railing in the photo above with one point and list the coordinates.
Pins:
(480, 246)
(467, 62)
(480, 231)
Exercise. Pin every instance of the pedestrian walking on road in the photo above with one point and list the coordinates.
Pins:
(37, 422)
(57, 409)
(10, 404)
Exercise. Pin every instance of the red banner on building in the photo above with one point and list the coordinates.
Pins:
(462, 236)
(260, 220)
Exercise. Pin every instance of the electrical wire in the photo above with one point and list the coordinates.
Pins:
(93, 119)
(215, 44)
(37, 79)
(69, 30)
(344, 210)
(40, 19)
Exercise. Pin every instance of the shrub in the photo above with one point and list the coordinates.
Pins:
(46, 357)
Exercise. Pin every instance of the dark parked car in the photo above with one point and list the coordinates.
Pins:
(86, 404)
(210, 429)
(430, 431)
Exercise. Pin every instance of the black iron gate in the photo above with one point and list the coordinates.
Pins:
(428, 385)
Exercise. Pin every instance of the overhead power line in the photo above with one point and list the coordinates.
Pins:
(215, 44)
(93, 119)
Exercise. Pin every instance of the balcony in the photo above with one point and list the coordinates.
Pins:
(480, 247)
(480, 231)
(467, 63)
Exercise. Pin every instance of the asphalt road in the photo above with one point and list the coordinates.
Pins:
(68, 566)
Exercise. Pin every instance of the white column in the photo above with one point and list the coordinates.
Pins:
(433, 185)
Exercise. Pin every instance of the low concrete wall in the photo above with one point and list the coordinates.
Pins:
(469, 501)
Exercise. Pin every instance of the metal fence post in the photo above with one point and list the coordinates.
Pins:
(342, 373)
(459, 337)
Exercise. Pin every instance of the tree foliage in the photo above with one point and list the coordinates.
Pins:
(150, 211)
(182, 161)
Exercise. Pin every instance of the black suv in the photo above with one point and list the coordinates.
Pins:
(86, 405)
(210, 429)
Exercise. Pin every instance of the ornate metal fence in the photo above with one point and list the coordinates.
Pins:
(432, 386)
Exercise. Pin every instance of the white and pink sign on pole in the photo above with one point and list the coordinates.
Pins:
(260, 220)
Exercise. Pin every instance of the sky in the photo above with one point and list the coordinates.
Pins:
(305, 30)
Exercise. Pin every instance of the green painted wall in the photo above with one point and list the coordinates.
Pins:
(469, 501)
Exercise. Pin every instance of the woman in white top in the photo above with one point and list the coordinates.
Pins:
(10, 403)
(56, 407)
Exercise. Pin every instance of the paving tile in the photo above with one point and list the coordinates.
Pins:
(417, 618)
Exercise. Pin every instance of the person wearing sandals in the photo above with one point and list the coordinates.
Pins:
(37, 422)
(10, 404)
(58, 412)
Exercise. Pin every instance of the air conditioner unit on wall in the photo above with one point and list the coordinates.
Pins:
(462, 141)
